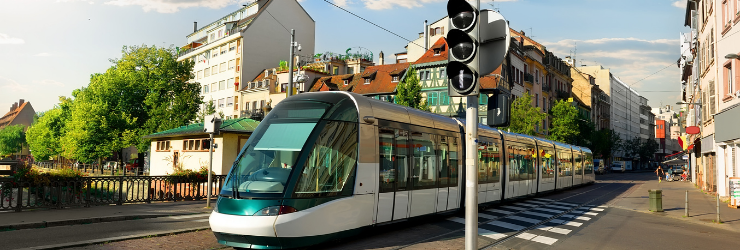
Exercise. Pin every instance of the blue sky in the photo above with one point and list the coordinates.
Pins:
(51, 47)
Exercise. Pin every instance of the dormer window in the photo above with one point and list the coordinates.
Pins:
(395, 78)
(437, 51)
(367, 80)
(346, 82)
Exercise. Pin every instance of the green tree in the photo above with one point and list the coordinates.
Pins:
(409, 92)
(525, 117)
(565, 125)
(12, 139)
(209, 109)
(604, 143)
(44, 136)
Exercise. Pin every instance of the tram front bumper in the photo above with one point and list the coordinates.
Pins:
(256, 232)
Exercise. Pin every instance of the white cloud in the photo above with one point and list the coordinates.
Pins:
(389, 4)
(679, 4)
(570, 42)
(12, 86)
(42, 54)
(341, 3)
(172, 6)
(49, 83)
(6, 39)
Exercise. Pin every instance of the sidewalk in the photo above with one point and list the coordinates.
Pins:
(71, 216)
(702, 207)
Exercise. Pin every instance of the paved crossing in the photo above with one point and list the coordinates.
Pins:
(518, 219)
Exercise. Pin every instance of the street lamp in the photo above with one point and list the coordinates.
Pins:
(732, 56)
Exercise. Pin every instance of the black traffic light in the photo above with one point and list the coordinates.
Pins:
(478, 42)
(499, 107)
(462, 40)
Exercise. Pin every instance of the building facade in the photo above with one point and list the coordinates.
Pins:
(225, 51)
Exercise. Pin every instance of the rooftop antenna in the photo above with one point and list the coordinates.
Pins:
(530, 32)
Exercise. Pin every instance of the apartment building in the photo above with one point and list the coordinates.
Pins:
(226, 52)
(666, 131)
(585, 88)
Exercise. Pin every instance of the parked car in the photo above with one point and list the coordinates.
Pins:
(617, 168)
(599, 166)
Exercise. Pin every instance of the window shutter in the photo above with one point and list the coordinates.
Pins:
(711, 99)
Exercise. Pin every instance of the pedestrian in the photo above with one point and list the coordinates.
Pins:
(669, 174)
(659, 172)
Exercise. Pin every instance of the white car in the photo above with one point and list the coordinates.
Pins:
(617, 168)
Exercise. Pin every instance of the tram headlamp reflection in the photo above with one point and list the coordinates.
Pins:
(275, 210)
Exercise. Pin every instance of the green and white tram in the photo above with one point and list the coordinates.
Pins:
(328, 165)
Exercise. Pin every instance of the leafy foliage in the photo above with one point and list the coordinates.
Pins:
(44, 137)
(604, 142)
(524, 116)
(12, 139)
(565, 125)
(409, 92)
(190, 176)
(209, 109)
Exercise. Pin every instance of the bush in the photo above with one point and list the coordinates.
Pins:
(190, 176)
(26, 173)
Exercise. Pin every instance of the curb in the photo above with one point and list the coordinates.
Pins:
(114, 239)
(45, 224)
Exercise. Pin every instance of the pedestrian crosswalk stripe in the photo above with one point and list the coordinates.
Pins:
(544, 240)
(590, 213)
(537, 214)
(526, 236)
(549, 210)
(457, 219)
(562, 231)
(490, 234)
(582, 218)
(525, 204)
(564, 204)
(516, 208)
(487, 216)
(524, 219)
(201, 220)
(499, 211)
(506, 225)
(561, 207)
(575, 224)
(597, 209)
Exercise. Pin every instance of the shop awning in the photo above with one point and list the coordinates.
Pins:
(677, 161)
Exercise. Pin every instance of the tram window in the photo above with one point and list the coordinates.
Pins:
(331, 161)
(454, 161)
(387, 150)
(547, 157)
(589, 164)
(578, 161)
(444, 164)
(403, 144)
(482, 161)
(514, 164)
(489, 155)
(530, 160)
(565, 163)
(425, 160)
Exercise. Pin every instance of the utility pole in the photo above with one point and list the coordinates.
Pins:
(290, 63)
(210, 168)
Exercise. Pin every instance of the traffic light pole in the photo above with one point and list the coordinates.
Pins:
(210, 168)
(290, 63)
(471, 174)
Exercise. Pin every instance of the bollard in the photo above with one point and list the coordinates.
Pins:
(718, 220)
(686, 209)
(656, 200)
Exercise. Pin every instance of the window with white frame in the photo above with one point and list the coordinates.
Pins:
(266, 83)
(229, 101)
(214, 70)
(205, 88)
(367, 80)
(395, 78)
(200, 74)
(214, 52)
(222, 67)
(232, 46)
(232, 64)
(230, 83)
(207, 72)
(346, 82)
(222, 85)
(223, 49)
(213, 87)
(221, 103)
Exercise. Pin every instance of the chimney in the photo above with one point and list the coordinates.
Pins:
(20, 103)
(195, 26)
(380, 58)
(426, 36)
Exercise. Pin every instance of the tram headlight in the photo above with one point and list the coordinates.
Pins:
(275, 210)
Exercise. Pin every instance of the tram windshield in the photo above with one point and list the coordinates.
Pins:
(265, 165)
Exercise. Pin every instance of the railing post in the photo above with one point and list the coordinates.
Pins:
(149, 191)
(120, 191)
(19, 202)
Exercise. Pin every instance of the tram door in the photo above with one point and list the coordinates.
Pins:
(394, 197)
(424, 173)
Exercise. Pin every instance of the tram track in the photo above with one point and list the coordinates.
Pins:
(518, 232)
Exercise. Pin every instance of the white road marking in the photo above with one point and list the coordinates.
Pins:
(188, 216)
(524, 219)
(499, 211)
(544, 240)
(582, 218)
(457, 219)
(590, 213)
(487, 216)
(201, 220)
(575, 224)
(506, 225)
(538, 214)
(516, 208)
(490, 234)
(560, 230)
(549, 210)
(597, 209)
(526, 236)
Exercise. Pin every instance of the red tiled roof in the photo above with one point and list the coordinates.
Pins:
(334, 83)
(8, 118)
(490, 81)
(533, 42)
(382, 82)
(429, 54)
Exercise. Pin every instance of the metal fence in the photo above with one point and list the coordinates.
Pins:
(102, 190)
(108, 168)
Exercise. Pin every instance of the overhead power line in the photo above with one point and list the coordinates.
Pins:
(372, 23)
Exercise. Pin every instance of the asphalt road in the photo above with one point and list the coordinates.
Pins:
(579, 218)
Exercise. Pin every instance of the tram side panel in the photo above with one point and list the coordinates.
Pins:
(547, 169)
(577, 167)
(565, 172)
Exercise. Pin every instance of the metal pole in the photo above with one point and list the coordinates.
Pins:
(471, 168)
(686, 207)
(210, 168)
(290, 64)
(718, 220)
(471, 174)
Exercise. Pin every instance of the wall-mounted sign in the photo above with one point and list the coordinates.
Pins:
(692, 130)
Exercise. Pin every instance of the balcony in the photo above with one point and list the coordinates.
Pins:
(528, 78)
(255, 114)
(562, 94)
(546, 88)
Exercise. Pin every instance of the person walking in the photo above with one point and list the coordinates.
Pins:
(669, 174)
(660, 173)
